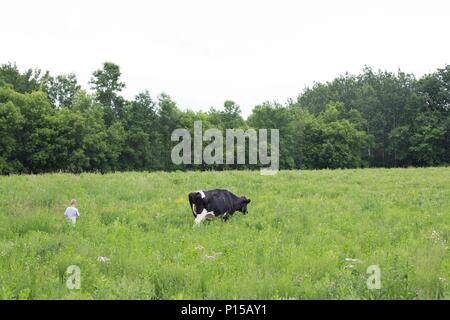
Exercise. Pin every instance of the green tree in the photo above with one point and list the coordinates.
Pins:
(107, 86)
(330, 142)
(228, 118)
(276, 116)
(35, 141)
(62, 90)
(11, 124)
(140, 148)
(168, 116)
(26, 82)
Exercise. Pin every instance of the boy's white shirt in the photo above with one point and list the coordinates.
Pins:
(71, 213)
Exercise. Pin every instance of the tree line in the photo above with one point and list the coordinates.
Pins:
(373, 119)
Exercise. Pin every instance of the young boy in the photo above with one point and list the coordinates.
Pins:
(72, 212)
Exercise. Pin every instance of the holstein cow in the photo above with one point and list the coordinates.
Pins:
(215, 203)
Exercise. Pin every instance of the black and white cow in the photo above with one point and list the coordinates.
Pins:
(215, 203)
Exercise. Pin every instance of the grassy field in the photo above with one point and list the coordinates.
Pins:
(295, 243)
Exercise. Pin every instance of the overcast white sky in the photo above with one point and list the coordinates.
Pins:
(203, 52)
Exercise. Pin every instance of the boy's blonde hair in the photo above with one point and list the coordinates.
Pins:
(73, 202)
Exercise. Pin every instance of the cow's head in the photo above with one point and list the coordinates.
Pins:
(197, 203)
(243, 205)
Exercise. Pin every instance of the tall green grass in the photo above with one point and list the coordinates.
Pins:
(293, 244)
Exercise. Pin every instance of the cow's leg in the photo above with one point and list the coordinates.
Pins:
(200, 217)
(204, 215)
(210, 215)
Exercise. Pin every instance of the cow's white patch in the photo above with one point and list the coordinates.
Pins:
(193, 209)
(203, 216)
(201, 193)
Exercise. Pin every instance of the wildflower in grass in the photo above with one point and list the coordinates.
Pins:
(103, 259)
(352, 260)
(213, 256)
(437, 238)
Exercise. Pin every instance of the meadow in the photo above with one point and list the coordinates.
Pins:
(308, 235)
